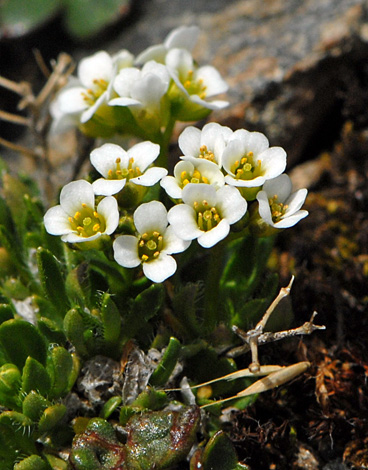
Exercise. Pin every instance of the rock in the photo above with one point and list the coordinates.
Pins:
(290, 65)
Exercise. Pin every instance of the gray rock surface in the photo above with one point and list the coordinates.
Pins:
(286, 61)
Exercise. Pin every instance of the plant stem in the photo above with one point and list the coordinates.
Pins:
(212, 290)
(162, 160)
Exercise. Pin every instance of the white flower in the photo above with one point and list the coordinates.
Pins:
(249, 161)
(192, 170)
(118, 166)
(76, 219)
(277, 206)
(152, 246)
(206, 213)
(198, 84)
(93, 89)
(141, 88)
(208, 143)
(183, 37)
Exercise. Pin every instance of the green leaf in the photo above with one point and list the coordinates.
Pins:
(14, 436)
(34, 405)
(51, 331)
(51, 417)
(52, 280)
(13, 189)
(20, 339)
(46, 309)
(6, 312)
(74, 327)
(19, 17)
(97, 448)
(10, 382)
(35, 377)
(99, 15)
(246, 264)
(110, 406)
(59, 367)
(165, 367)
(78, 285)
(161, 439)
(144, 307)
(219, 453)
(33, 462)
(111, 319)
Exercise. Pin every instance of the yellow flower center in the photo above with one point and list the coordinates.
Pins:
(90, 96)
(195, 177)
(206, 154)
(150, 246)
(207, 216)
(278, 209)
(87, 222)
(119, 173)
(246, 168)
(194, 87)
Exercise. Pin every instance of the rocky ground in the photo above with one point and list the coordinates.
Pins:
(298, 71)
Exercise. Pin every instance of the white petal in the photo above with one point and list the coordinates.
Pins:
(291, 220)
(256, 142)
(103, 187)
(150, 216)
(199, 192)
(172, 243)
(126, 251)
(183, 220)
(280, 186)
(160, 70)
(144, 154)
(56, 221)
(89, 112)
(157, 53)
(73, 237)
(124, 102)
(215, 137)
(187, 165)
(125, 79)
(189, 141)
(108, 208)
(160, 269)
(183, 37)
(254, 183)
(231, 203)
(76, 193)
(171, 186)
(234, 151)
(72, 101)
(179, 60)
(212, 80)
(123, 59)
(149, 90)
(213, 236)
(264, 207)
(295, 201)
(150, 177)
(215, 104)
(97, 66)
(104, 158)
(273, 161)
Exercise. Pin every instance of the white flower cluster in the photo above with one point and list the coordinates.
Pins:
(163, 82)
(219, 174)
(229, 167)
(216, 165)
